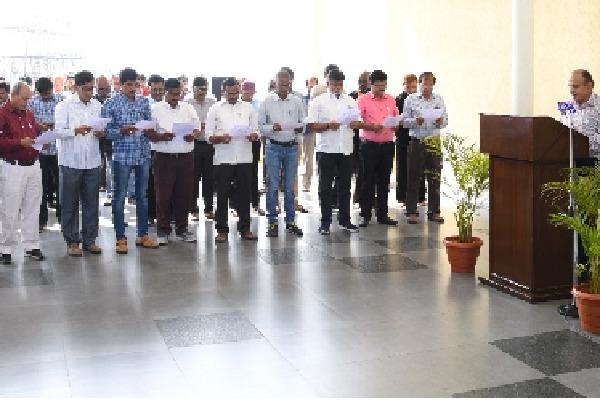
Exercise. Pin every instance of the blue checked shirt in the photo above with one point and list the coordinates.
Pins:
(44, 113)
(413, 105)
(133, 149)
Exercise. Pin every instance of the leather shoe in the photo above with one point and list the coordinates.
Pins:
(387, 221)
(363, 222)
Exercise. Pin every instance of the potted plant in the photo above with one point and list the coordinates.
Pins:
(470, 179)
(583, 218)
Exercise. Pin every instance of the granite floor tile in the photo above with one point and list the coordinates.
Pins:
(26, 277)
(45, 379)
(207, 329)
(382, 263)
(536, 388)
(585, 381)
(292, 256)
(553, 353)
(404, 244)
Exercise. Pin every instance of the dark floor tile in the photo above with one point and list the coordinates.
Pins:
(316, 239)
(410, 243)
(553, 353)
(575, 326)
(539, 388)
(292, 255)
(207, 329)
(27, 277)
(382, 263)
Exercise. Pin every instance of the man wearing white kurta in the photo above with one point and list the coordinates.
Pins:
(233, 157)
(79, 163)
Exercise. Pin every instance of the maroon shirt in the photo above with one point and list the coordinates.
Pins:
(14, 126)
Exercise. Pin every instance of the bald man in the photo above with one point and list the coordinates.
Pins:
(20, 176)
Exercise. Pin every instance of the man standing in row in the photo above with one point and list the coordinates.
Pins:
(20, 176)
(131, 152)
(376, 148)
(173, 164)
(79, 161)
(278, 111)
(203, 152)
(233, 157)
(422, 160)
(334, 150)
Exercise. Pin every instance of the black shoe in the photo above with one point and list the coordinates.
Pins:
(363, 222)
(108, 202)
(6, 259)
(273, 230)
(36, 254)
(350, 227)
(324, 229)
(387, 221)
(293, 228)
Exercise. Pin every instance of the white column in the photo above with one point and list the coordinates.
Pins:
(522, 57)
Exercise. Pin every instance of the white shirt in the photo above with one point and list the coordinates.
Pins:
(76, 151)
(220, 119)
(165, 116)
(325, 108)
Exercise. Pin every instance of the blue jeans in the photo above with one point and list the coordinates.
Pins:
(281, 158)
(79, 185)
(121, 174)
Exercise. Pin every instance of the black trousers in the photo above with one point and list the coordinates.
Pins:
(151, 192)
(255, 198)
(203, 170)
(378, 159)
(338, 166)
(105, 157)
(402, 174)
(423, 162)
(50, 186)
(240, 176)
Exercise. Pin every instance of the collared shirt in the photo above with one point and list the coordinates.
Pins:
(14, 126)
(374, 111)
(220, 119)
(413, 105)
(131, 149)
(44, 113)
(165, 116)
(587, 121)
(275, 110)
(202, 112)
(77, 151)
(325, 108)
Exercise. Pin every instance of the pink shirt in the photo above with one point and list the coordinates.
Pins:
(374, 111)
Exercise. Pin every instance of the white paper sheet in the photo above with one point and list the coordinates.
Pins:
(240, 131)
(431, 114)
(392, 121)
(46, 137)
(144, 124)
(348, 115)
(98, 124)
(182, 129)
(290, 126)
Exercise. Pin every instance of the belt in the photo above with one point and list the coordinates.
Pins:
(375, 143)
(284, 144)
(202, 141)
(25, 163)
(173, 155)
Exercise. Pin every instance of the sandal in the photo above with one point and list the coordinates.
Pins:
(412, 219)
(248, 235)
(221, 238)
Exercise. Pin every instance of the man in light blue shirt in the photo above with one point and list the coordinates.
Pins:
(79, 160)
(280, 119)
(420, 158)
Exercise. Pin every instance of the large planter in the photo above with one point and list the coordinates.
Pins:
(462, 256)
(588, 307)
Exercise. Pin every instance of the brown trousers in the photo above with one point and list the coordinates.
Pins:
(174, 186)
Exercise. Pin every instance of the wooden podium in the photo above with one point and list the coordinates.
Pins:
(529, 258)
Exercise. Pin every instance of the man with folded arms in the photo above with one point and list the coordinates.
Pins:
(334, 149)
(173, 164)
(20, 176)
(131, 152)
(278, 109)
(233, 157)
(422, 160)
(376, 148)
(79, 161)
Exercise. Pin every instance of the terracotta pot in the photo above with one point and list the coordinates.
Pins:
(462, 256)
(588, 306)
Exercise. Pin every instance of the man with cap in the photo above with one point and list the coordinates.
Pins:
(131, 152)
(203, 152)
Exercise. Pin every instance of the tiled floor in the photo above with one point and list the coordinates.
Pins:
(372, 314)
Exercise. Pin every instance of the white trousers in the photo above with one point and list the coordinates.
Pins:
(20, 199)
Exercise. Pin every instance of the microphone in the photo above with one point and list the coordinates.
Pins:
(565, 107)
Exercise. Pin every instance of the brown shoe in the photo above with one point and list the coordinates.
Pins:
(74, 251)
(195, 217)
(221, 237)
(248, 235)
(146, 242)
(122, 246)
(412, 219)
(260, 211)
(92, 248)
(436, 218)
(209, 215)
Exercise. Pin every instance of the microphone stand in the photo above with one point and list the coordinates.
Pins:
(570, 310)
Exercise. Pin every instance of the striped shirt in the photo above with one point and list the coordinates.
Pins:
(44, 113)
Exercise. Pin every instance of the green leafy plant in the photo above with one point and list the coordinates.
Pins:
(583, 216)
(471, 178)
